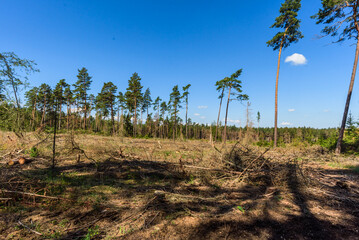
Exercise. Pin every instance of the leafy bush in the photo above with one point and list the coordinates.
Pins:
(34, 152)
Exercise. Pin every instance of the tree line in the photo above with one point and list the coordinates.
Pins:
(45, 105)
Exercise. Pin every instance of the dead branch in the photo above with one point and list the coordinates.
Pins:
(30, 194)
(29, 228)
(250, 164)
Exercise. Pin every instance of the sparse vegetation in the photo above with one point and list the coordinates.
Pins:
(78, 161)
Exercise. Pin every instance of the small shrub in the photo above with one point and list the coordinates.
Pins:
(92, 233)
(34, 152)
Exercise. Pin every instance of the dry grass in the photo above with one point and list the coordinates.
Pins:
(142, 189)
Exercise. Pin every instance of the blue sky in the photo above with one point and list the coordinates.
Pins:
(179, 42)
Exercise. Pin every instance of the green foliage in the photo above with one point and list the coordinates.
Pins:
(240, 208)
(133, 94)
(34, 152)
(11, 67)
(336, 15)
(288, 21)
(175, 101)
(146, 101)
(91, 233)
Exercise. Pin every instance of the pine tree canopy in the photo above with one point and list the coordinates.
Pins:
(339, 14)
(82, 85)
(133, 92)
(175, 99)
(287, 21)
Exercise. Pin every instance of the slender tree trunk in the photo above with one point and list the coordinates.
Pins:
(33, 113)
(276, 98)
(67, 117)
(219, 113)
(175, 125)
(346, 109)
(225, 120)
(85, 112)
(135, 120)
(43, 112)
(118, 121)
(122, 121)
(60, 112)
(186, 119)
(112, 120)
(54, 143)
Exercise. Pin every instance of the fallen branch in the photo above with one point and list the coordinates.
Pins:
(30, 194)
(5, 199)
(29, 228)
(205, 168)
(245, 170)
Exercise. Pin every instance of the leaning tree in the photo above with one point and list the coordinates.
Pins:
(288, 22)
(233, 84)
(13, 77)
(336, 15)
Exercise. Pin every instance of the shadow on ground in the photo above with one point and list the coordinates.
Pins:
(154, 200)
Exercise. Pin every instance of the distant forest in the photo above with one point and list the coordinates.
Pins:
(133, 113)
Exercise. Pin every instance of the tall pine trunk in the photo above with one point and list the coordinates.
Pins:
(187, 119)
(219, 114)
(135, 120)
(175, 124)
(225, 120)
(43, 112)
(276, 97)
(346, 109)
(68, 115)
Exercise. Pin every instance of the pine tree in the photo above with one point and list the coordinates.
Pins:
(258, 120)
(147, 100)
(133, 96)
(45, 101)
(121, 105)
(69, 101)
(2, 90)
(108, 101)
(185, 96)
(341, 14)
(163, 110)
(156, 109)
(220, 88)
(82, 86)
(233, 84)
(31, 102)
(60, 99)
(174, 103)
(290, 24)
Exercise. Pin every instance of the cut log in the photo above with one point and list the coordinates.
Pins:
(22, 160)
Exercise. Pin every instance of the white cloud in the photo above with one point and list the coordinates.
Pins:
(202, 107)
(326, 110)
(197, 114)
(291, 110)
(296, 59)
(203, 117)
(234, 121)
(285, 124)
